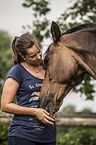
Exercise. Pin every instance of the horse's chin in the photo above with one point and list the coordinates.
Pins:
(49, 106)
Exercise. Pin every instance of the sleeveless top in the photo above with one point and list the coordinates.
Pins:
(27, 126)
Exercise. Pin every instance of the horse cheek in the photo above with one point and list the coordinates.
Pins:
(44, 89)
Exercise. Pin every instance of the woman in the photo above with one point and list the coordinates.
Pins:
(30, 125)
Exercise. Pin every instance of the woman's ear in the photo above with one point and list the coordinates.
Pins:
(21, 55)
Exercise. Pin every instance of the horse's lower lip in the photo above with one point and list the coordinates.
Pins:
(40, 61)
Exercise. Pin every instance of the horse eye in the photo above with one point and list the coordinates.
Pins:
(46, 61)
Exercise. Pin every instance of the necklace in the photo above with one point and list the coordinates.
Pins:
(32, 69)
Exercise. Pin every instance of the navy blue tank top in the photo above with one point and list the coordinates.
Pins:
(27, 126)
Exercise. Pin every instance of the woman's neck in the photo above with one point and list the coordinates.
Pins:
(34, 68)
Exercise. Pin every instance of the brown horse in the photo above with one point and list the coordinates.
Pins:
(68, 59)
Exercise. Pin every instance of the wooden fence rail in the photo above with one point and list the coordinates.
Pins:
(77, 122)
(75, 114)
(76, 119)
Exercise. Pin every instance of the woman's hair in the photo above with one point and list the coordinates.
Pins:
(19, 46)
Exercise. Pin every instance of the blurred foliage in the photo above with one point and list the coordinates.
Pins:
(5, 56)
(4, 134)
(86, 87)
(40, 23)
(76, 136)
(72, 108)
(69, 108)
(81, 11)
(86, 110)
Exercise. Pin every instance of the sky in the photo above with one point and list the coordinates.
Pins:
(13, 16)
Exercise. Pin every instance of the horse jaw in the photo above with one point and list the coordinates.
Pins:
(51, 96)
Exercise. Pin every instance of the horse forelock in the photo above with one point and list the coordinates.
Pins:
(47, 50)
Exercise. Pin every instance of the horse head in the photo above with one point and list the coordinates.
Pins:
(69, 57)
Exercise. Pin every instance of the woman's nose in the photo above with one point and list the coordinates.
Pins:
(38, 56)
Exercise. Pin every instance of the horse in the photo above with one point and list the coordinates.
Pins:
(68, 59)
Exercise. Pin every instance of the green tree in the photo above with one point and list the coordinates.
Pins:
(5, 56)
(82, 11)
(69, 108)
(86, 110)
(40, 23)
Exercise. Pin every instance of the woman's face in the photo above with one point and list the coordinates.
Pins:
(34, 55)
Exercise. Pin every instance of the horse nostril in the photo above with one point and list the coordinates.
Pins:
(50, 79)
(48, 101)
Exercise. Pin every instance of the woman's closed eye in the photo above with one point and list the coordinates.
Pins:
(35, 54)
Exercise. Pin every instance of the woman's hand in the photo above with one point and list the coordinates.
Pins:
(43, 116)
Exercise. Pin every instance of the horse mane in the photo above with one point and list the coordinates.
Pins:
(80, 27)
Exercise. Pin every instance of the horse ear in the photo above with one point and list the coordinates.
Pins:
(55, 31)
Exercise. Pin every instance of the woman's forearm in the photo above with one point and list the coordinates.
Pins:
(17, 109)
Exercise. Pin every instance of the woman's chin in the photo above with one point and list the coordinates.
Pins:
(37, 62)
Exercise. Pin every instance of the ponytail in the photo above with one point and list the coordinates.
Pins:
(16, 58)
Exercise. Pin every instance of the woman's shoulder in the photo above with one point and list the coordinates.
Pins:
(15, 71)
(16, 67)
